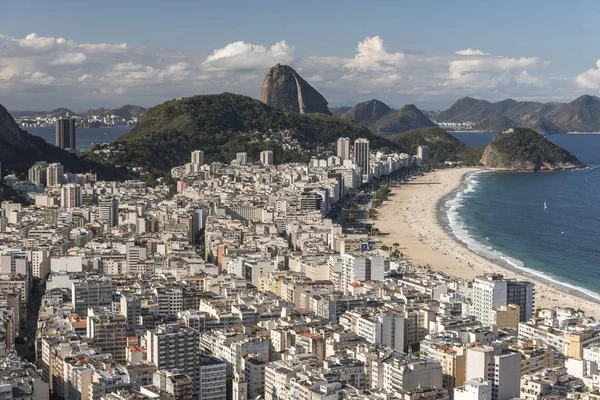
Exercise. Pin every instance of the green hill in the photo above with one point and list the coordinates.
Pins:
(523, 149)
(396, 121)
(367, 111)
(442, 146)
(224, 124)
(494, 124)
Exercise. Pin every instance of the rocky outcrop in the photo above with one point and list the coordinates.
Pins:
(523, 149)
(285, 90)
(367, 111)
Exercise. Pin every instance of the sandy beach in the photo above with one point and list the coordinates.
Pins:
(410, 217)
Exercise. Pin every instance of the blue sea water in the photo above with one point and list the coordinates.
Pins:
(501, 216)
(85, 136)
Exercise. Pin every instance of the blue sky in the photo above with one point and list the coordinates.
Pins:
(544, 50)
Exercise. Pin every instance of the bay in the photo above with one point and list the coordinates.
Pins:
(85, 136)
(501, 216)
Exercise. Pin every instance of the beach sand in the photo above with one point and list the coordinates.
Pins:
(410, 217)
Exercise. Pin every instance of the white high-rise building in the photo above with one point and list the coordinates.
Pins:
(54, 174)
(361, 269)
(242, 158)
(361, 157)
(423, 154)
(40, 262)
(198, 157)
(175, 347)
(70, 196)
(343, 148)
(267, 157)
(493, 291)
(497, 365)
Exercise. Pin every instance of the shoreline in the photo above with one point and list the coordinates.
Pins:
(411, 217)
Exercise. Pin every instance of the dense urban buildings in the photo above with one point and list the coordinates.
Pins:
(253, 280)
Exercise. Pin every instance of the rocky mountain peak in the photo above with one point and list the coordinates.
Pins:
(284, 89)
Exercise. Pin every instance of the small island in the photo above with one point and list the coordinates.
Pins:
(523, 149)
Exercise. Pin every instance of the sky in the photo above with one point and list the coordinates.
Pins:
(87, 54)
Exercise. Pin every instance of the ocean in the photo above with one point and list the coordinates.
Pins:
(501, 216)
(85, 136)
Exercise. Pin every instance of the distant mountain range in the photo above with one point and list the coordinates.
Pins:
(382, 119)
(127, 112)
(580, 115)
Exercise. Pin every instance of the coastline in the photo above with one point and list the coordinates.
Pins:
(410, 217)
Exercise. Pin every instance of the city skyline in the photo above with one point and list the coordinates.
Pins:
(415, 53)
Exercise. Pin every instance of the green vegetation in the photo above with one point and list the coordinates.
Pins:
(442, 146)
(7, 193)
(405, 119)
(495, 124)
(525, 149)
(222, 125)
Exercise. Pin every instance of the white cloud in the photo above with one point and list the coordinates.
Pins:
(372, 55)
(70, 59)
(242, 56)
(589, 79)
(103, 74)
(471, 52)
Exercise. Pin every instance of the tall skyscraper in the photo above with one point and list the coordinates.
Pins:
(108, 210)
(343, 148)
(70, 196)
(423, 154)
(54, 174)
(267, 157)
(198, 157)
(65, 133)
(361, 155)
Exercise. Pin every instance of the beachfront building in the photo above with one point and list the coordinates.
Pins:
(498, 365)
(492, 291)
(422, 155)
(362, 157)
